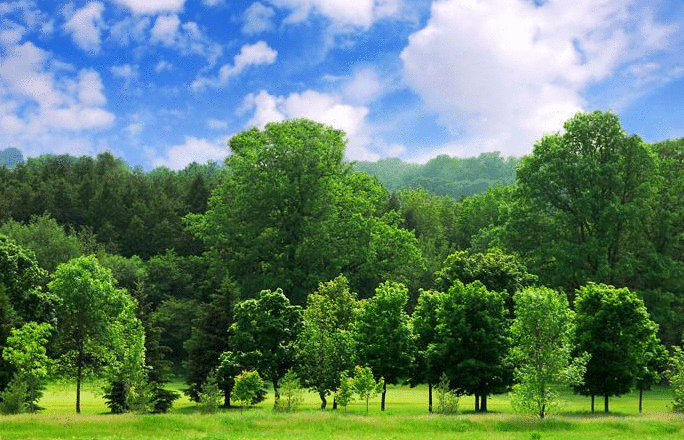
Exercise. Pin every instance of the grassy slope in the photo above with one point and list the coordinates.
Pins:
(405, 418)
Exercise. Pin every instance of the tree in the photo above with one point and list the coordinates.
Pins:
(325, 346)
(249, 388)
(584, 194)
(365, 385)
(383, 334)
(613, 326)
(96, 321)
(676, 376)
(473, 341)
(291, 393)
(345, 392)
(263, 335)
(427, 366)
(25, 351)
(543, 343)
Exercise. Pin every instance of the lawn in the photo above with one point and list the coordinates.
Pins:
(405, 418)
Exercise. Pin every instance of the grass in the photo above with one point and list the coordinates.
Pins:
(405, 418)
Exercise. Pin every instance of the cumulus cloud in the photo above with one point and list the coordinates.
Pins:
(503, 72)
(216, 124)
(257, 18)
(187, 38)
(162, 66)
(151, 7)
(324, 108)
(43, 108)
(191, 150)
(255, 54)
(364, 86)
(86, 25)
(165, 29)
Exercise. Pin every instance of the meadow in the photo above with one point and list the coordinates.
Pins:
(406, 417)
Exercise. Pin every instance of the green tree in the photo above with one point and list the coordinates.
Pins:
(383, 334)
(25, 351)
(263, 335)
(614, 327)
(543, 343)
(344, 394)
(291, 393)
(250, 388)
(365, 385)
(584, 194)
(94, 320)
(427, 366)
(325, 346)
(473, 341)
(676, 376)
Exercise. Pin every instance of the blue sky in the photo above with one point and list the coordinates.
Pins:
(167, 82)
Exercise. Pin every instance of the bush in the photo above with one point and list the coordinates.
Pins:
(290, 393)
(210, 395)
(13, 398)
(249, 388)
(447, 399)
(676, 376)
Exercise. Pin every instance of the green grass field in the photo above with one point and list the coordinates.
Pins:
(405, 418)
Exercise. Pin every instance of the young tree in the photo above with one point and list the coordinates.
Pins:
(365, 385)
(250, 388)
(613, 326)
(263, 335)
(383, 334)
(94, 319)
(427, 366)
(676, 376)
(291, 393)
(543, 342)
(325, 347)
(25, 351)
(473, 341)
(345, 392)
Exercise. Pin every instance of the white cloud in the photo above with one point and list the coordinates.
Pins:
(216, 124)
(165, 29)
(130, 29)
(48, 110)
(125, 71)
(258, 18)
(212, 2)
(255, 54)
(151, 6)
(320, 107)
(507, 71)
(341, 13)
(363, 87)
(85, 26)
(162, 66)
(191, 150)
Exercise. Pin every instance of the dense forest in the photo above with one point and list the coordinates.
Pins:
(287, 258)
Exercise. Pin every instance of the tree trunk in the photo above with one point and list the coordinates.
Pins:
(542, 411)
(430, 397)
(384, 392)
(605, 403)
(483, 405)
(592, 404)
(226, 399)
(276, 391)
(335, 404)
(79, 375)
(324, 402)
(641, 399)
(477, 402)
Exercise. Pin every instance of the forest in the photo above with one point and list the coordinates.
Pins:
(288, 263)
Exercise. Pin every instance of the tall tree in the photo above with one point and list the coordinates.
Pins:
(383, 334)
(263, 334)
(325, 347)
(614, 327)
(543, 343)
(473, 341)
(427, 366)
(95, 320)
(584, 194)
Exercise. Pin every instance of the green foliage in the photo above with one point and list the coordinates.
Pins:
(25, 351)
(97, 327)
(13, 397)
(344, 394)
(290, 393)
(614, 328)
(250, 388)
(382, 330)
(543, 342)
(263, 334)
(447, 399)
(210, 394)
(676, 376)
(365, 385)
(325, 346)
(472, 341)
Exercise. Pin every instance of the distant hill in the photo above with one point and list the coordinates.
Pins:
(10, 157)
(445, 175)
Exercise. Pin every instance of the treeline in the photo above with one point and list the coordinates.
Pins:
(444, 175)
(243, 281)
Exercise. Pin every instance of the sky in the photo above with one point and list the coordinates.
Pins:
(168, 82)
